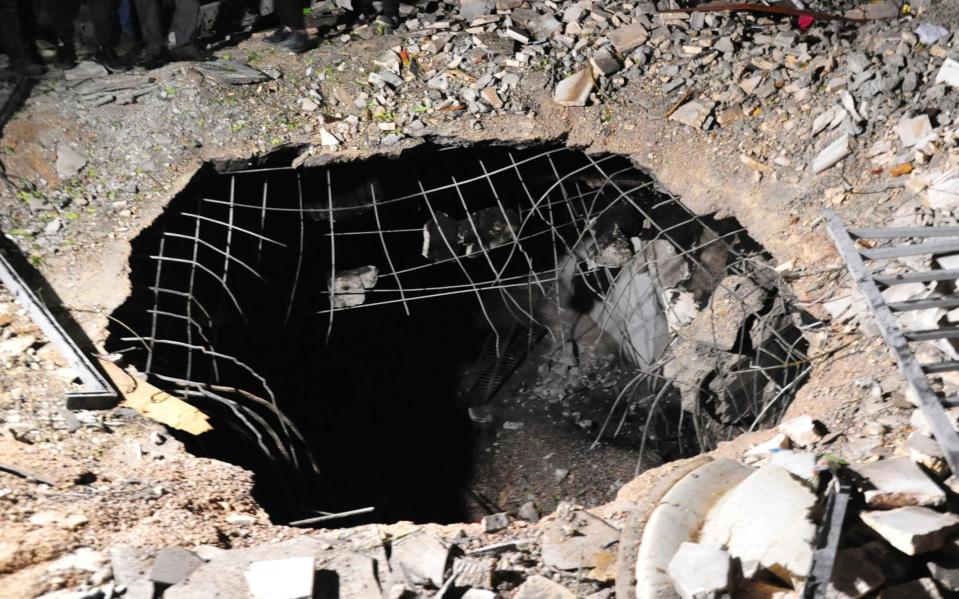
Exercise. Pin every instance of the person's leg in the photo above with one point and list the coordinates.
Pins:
(125, 16)
(293, 28)
(151, 30)
(106, 28)
(58, 17)
(14, 42)
(186, 22)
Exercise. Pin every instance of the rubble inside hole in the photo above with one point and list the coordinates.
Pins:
(495, 303)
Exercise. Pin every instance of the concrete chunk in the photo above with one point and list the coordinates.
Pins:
(914, 130)
(831, 155)
(575, 89)
(693, 113)
(174, 564)
(625, 39)
(701, 572)
(290, 578)
(803, 430)
(899, 482)
(577, 541)
(912, 530)
(538, 587)
(948, 73)
(423, 557)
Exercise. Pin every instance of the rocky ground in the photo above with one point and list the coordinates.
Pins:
(745, 114)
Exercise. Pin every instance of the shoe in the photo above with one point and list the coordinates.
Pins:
(155, 59)
(108, 58)
(279, 36)
(189, 53)
(66, 56)
(298, 42)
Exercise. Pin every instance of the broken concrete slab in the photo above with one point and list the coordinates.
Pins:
(356, 575)
(744, 519)
(577, 540)
(912, 530)
(854, 574)
(474, 572)
(575, 89)
(801, 464)
(174, 565)
(924, 450)
(539, 587)
(899, 482)
(288, 578)
(423, 557)
(129, 564)
(803, 431)
(604, 62)
(701, 572)
(495, 522)
(720, 324)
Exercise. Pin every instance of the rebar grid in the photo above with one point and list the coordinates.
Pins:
(217, 259)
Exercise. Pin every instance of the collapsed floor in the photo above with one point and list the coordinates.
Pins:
(758, 165)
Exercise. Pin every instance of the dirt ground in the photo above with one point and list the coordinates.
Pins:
(113, 478)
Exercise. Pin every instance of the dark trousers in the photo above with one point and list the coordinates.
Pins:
(186, 17)
(289, 12)
(106, 23)
(12, 38)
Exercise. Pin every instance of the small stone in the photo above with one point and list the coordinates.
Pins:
(701, 572)
(575, 89)
(15, 346)
(173, 565)
(241, 519)
(628, 38)
(724, 45)
(289, 578)
(914, 130)
(604, 62)
(899, 482)
(327, 138)
(528, 512)
(692, 113)
(948, 73)
(69, 162)
(832, 154)
(308, 105)
(492, 98)
(495, 522)
(87, 69)
(912, 530)
(803, 431)
(538, 587)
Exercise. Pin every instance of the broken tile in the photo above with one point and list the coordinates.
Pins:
(701, 572)
(899, 482)
(912, 530)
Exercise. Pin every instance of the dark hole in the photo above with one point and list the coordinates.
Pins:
(231, 309)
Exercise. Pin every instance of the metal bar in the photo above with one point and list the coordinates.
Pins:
(99, 393)
(903, 232)
(915, 249)
(932, 334)
(942, 301)
(924, 276)
(932, 409)
(827, 542)
(946, 366)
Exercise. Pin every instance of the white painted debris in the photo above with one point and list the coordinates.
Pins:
(899, 482)
(348, 287)
(701, 572)
(801, 464)
(948, 73)
(479, 594)
(832, 154)
(290, 578)
(914, 130)
(803, 430)
(538, 587)
(912, 530)
(575, 89)
(778, 534)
